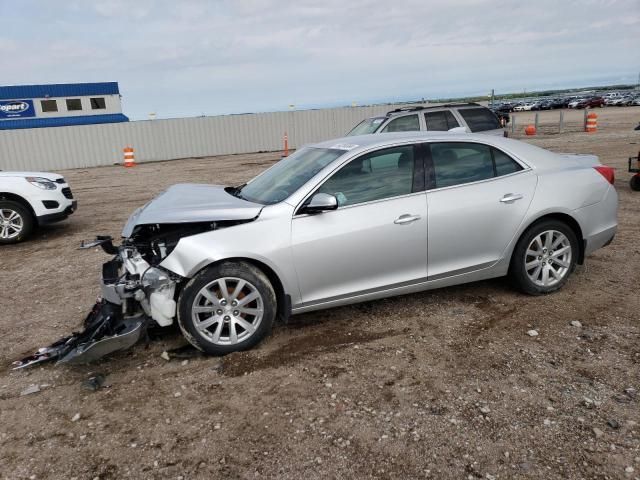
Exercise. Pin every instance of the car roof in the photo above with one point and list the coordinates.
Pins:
(419, 108)
(528, 154)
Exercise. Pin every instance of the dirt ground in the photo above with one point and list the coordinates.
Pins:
(442, 384)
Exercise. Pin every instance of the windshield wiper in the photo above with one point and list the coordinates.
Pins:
(236, 191)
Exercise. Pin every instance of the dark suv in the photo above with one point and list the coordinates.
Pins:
(458, 117)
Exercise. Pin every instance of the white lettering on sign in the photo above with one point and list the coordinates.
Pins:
(14, 107)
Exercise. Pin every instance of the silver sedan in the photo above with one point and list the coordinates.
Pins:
(357, 219)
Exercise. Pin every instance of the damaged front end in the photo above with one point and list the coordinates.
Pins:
(133, 293)
(136, 290)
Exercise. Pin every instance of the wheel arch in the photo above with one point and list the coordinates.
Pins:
(283, 299)
(564, 218)
(18, 199)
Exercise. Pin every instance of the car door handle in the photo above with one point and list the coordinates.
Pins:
(406, 218)
(510, 197)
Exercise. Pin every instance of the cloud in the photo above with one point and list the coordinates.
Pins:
(195, 56)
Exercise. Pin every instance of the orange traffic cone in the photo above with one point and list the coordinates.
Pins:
(129, 157)
(286, 145)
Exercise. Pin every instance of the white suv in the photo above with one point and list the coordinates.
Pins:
(31, 199)
(453, 117)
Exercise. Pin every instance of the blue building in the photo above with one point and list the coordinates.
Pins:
(59, 105)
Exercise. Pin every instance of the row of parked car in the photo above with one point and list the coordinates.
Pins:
(593, 101)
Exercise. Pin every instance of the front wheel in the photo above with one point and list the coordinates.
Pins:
(227, 308)
(16, 222)
(634, 183)
(544, 258)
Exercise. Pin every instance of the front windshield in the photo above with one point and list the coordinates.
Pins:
(288, 175)
(367, 126)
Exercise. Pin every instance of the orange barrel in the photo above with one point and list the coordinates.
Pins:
(129, 157)
(592, 123)
(530, 130)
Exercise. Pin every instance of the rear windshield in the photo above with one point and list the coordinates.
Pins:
(367, 126)
(479, 119)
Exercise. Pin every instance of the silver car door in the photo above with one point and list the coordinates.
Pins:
(378, 235)
(478, 196)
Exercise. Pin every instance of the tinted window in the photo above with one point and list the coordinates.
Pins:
(457, 163)
(288, 175)
(451, 120)
(408, 123)
(98, 103)
(440, 121)
(479, 119)
(49, 105)
(74, 104)
(366, 126)
(382, 174)
(504, 163)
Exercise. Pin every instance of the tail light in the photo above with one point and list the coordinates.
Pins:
(607, 172)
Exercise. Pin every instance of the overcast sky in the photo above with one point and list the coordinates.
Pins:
(194, 57)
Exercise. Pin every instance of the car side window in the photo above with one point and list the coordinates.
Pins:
(451, 120)
(440, 121)
(479, 119)
(407, 123)
(375, 176)
(455, 163)
(504, 163)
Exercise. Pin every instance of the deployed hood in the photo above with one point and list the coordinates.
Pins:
(47, 175)
(189, 203)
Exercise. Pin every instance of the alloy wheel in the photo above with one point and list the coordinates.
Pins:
(11, 223)
(548, 258)
(227, 311)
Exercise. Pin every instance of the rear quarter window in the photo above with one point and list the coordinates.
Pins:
(504, 163)
(479, 119)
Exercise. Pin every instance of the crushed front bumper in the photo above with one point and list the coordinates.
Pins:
(106, 331)
(133, 293)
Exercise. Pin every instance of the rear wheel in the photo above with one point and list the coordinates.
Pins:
(544, 258)
(16, 222)
(634, 183)
(227, 308)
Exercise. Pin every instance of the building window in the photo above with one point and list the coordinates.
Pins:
(49, 105)
(98, 103)
(74, 104)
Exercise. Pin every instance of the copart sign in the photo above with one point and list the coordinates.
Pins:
(16, 109)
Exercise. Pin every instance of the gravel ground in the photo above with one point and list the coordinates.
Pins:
(441, 384)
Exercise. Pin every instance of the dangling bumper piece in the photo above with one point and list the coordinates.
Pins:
(106, 331)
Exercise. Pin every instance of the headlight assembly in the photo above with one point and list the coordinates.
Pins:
(41, 182)
(155, 278)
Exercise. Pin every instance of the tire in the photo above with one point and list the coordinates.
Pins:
(634, 183)
(211, 328)
(16, 222)
(523, 271)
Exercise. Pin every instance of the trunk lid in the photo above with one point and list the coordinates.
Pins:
(582, 159)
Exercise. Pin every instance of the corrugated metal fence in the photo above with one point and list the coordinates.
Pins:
(96, 145)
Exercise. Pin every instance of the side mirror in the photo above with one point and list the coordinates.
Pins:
(457, 130)
(321, 202)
